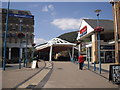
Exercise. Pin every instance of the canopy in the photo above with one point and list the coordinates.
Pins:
(55, 45)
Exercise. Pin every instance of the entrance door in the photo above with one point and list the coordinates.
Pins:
(15, 55)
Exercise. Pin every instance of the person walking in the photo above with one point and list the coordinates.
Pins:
(81, 61)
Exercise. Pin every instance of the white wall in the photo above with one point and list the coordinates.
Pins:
(89, 28)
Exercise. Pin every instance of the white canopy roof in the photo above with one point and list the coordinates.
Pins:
(55, 42)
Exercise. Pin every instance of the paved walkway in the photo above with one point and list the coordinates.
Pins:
(104, 66)
(104, 69)
(0, 78)
(67, 75)
(63, 75)
(13, 77)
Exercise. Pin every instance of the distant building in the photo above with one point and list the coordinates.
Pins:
(19, 21)
(87, 38)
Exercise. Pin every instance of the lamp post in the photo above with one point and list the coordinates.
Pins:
(26, 55)
(5, 37)
(20, 36)
(20, 45)
(33, 50)
(98, 31)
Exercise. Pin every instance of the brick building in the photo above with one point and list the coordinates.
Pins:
(18, 21)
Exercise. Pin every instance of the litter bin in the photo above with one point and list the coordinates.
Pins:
(114, 73)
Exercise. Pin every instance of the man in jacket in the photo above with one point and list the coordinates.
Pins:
(81, 61)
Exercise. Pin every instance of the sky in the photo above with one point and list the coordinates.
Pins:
(55, 18)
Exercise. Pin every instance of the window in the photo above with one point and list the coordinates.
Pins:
(10, 11)
(102, 53)
(4, 11)
(23, 12)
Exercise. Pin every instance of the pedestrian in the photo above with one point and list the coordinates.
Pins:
(81, 61)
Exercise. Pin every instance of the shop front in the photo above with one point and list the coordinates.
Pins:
(107, 53)
(89, 41)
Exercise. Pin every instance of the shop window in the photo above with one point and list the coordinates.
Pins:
(17, 27)
(102, 60)
(101, 53)
(9, 39)
(4, 11)
(13, 27)
(10, 11)
(23, 12)
(108, 57)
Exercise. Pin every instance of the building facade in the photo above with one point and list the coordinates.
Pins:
(19, 21)
(89, 40)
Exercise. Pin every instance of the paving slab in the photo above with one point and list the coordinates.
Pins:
(67, 75)
(12, 77)
(31, 83)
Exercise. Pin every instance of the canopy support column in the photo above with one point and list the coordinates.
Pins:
(72, 53)
(50, 54)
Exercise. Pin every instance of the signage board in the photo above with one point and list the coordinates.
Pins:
(99, 29)
(83, 31)
(104, 47)
(21, 15)
(34, 64)
(114, 74)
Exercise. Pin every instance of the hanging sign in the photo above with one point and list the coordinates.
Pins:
(99, 29)
(83, 31)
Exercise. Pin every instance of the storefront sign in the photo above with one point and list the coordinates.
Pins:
(107, 47)
(83, 31)
(114, 74)
(21, 15)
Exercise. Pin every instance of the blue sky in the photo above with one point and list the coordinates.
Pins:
(55, 18)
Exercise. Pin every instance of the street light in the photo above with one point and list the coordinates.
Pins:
(33, 50)
(97, 12)
(26, 55)
(20, 36)
(98, 29)
(5, 37)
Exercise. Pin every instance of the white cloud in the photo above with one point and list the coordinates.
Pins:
(67, 23)
(53, 13)
(45, 8)
(39, 41)
(51, 7)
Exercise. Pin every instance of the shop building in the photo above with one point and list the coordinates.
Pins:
(19, 21)
(88, 40)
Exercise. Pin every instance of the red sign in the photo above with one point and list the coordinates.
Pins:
(84, 29)
(99, 29)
